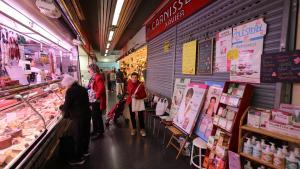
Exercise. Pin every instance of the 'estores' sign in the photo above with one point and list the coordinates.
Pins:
(174, 12)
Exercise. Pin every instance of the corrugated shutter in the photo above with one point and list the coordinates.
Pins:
(220, 15)
(160, 64)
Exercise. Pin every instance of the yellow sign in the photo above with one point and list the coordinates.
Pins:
(166, 46)
(189, 55)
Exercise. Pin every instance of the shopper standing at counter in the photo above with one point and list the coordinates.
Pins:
(136, 90)
(76, 108)
(97, 85)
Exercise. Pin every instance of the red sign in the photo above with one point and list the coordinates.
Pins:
(172, 13)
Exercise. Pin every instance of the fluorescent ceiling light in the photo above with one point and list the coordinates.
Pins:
(106, 51)
(107, 46)
(30, 24)
(117, 12)
(105, 54)
(110, 36)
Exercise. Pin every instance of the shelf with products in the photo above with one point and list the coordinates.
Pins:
(235, 99)
(269, 138)
(26, 122)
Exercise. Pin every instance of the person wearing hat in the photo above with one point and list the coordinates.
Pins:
(76, 108)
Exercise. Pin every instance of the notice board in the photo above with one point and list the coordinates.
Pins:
(189, 54)
(281, 67)
(205, 53)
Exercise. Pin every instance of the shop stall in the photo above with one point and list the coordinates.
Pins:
(135, 62)
(32, 63)
(242, 45)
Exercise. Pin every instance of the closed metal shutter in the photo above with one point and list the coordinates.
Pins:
(160, 64)
(220, 15)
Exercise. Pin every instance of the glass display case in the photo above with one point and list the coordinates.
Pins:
(25, 117)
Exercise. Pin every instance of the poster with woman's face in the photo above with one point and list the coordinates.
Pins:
(189, 108)
(179, 88)
(203, 127)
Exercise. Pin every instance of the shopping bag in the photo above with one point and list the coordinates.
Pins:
(137, 105)
(161, 107)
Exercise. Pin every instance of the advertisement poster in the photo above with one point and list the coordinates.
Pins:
(190, 107)
(246, 51)
(179, 88)
(189, 54)
(223, 45)
(205, 123)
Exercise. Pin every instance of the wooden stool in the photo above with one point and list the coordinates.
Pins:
(176, 133)
(200, 144)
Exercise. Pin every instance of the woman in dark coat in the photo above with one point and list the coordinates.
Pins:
(76, 108)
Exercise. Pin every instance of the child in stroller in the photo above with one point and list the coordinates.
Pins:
(116, 111)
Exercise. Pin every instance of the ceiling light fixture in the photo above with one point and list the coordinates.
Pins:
(110, 35)
(118, 9)
(106, 51)
(105, 54)
(30, 24)
(108, 45)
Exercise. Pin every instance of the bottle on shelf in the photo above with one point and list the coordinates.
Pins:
(291, 161)
(267, 155)
(257, 150)
(279, 158)
(263, 143)
(253, 140)
(273, 148)
(248, 147)
(285, 150)
(248, 165)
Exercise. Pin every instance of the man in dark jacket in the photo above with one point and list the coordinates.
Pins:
(76, 108)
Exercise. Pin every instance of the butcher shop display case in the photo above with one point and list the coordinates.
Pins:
(27, 119)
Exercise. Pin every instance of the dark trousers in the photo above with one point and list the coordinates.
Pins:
(140, 116)
(97, 118)
(80, 129)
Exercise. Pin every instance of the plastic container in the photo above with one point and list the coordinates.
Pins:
(257, 150)
(291, 161)
(248, 147)
(279, 158)
(267, 155)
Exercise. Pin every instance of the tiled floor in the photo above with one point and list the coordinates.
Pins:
(119, 150)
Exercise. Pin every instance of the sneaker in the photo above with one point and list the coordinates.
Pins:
(76, 162)
(133, 132)
(143, 133)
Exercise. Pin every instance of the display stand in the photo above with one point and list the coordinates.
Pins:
(246, 130)
(176, 133)
(234, 101)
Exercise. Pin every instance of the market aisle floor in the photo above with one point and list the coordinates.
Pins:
(119, 150)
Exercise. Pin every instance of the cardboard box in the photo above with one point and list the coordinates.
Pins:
(282, 117)
(264, 118)
(278, 127)
(253, 118)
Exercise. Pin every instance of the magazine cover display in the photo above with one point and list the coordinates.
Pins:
(179, 87)
(205, 123)
(190, 106)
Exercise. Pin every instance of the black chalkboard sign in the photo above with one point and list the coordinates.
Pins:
(205, 52)
(280, 67)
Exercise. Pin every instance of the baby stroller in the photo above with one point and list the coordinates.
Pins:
(116, 111)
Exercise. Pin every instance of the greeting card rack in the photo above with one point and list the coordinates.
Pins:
(235, 99)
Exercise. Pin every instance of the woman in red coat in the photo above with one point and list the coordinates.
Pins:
(133, 84)
(97, 96)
